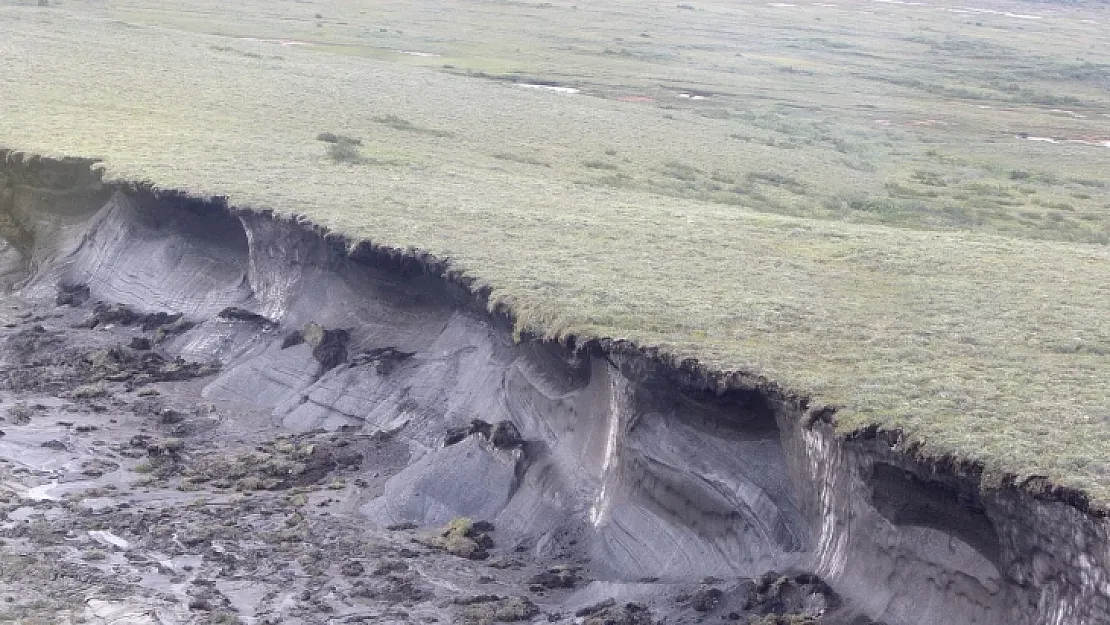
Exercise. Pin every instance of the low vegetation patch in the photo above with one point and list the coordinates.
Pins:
(398, 123)
(341, 148)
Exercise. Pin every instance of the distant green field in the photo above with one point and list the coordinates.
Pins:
(902, 210)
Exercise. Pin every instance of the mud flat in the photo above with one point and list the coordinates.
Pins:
(219, 415)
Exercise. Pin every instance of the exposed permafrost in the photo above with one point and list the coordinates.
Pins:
(599, 511)
(647, 467)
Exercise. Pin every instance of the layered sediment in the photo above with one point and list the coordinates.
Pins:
(641, 469)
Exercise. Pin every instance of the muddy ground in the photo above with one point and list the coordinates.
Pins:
(126, 498)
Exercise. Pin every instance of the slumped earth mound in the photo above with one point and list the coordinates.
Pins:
(627, 487)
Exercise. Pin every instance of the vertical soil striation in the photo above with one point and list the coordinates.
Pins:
(360, 416)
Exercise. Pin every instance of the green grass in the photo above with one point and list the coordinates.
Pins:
(840, 202)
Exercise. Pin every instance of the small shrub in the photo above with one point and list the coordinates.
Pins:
(90, 391)
(680, 171)
(328, 137)
(929, 178)
(779, 180)
(523, 160)
(723, 177)
(398, 123)
(599, 165)
(344, 152)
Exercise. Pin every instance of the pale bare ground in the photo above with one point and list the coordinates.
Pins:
(848, 210)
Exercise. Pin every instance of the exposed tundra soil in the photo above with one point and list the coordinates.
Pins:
(127, 498)
(217, 416)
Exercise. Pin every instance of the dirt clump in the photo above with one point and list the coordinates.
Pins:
(802, 596)
(608, 612)
(395, 588)
(486, 609)
(121, 364)
(72, 295)
(21, 414)
(706, 598)
(503, 434)
(556, 577)
(281, 464)
(90, 391)
(462, 537)
(29, 342)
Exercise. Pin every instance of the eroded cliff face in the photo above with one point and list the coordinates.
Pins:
(635, 466)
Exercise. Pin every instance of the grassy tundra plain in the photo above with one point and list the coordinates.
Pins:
(900, 209)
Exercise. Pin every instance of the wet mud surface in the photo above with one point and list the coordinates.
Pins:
(127, 497)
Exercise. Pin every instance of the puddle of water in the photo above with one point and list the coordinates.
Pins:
(25, 513)
(1097, 142)
(1067, 112)
(284, 42)
(421, 54)
(549, 88)
(42, 493)
(1020, 16)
